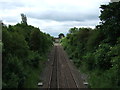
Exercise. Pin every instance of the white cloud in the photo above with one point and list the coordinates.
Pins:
(52, 16)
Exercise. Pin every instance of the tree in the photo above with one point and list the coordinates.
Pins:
(97, 51)
(24, 19)
(110, 17)
(61, 35)
(22, 47)
(35, 40)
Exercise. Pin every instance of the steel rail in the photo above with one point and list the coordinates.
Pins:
(65, 59)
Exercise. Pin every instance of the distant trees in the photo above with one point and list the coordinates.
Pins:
(61, 35)
(96, 51)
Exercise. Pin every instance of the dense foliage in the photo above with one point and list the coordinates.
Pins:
(24, 50)
(97, 51)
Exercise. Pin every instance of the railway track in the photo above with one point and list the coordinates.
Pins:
(53, 76)
(68, 73)
(61, 75)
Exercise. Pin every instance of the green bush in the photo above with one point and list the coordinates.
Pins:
(24, 47)
(13, 71)
(89, 62)
(34, 59)
(102, 58)
(107, 79)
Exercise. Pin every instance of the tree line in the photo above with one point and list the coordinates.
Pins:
(24, 51)
(96, 52)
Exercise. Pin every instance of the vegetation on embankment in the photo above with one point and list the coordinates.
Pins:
(97, 51)
(24, 51)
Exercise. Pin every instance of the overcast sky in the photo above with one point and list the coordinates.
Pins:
(52, 16)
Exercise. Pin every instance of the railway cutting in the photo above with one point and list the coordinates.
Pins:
(60, 72)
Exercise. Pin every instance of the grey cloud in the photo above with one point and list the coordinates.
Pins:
(10, 5)
(63, 16)
(55, 30)
(10, 19)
